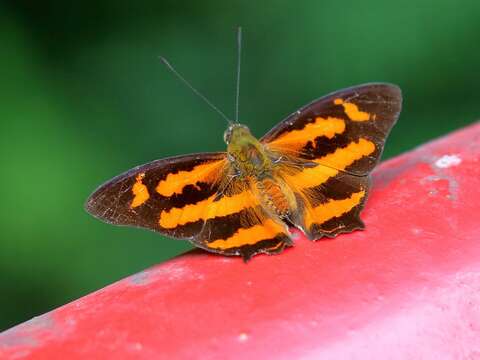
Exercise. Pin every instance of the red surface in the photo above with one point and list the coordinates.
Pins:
(407, 287)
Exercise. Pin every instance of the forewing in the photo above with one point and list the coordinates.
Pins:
(356, 121)
(170, 196)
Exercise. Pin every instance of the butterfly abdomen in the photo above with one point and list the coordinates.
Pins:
(273, 197)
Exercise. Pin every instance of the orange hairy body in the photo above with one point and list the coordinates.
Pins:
(273, 197)
(257, 166)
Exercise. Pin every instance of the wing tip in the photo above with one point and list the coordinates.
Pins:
(95, 206)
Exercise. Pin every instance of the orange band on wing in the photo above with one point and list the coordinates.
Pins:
(333, 163)
(174, 183)
(332, 208)
(345, 156)
(268, 230)
(207, 209)
(328, 127)
(140, 192)
(352, 111)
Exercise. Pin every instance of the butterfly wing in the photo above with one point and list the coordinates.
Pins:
(239, 225)
(339, 139)
(191, 197)
(169, 195)
(329, 200)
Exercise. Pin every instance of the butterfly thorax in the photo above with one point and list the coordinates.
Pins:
(254, 164)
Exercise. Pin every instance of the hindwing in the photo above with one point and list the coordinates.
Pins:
(246, 232)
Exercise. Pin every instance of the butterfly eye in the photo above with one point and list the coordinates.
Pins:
(227, 135)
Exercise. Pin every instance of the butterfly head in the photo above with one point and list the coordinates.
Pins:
(234, 132)
(244, 150)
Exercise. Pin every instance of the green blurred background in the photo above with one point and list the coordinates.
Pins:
(84, 97)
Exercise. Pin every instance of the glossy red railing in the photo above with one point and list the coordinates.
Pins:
(408, 287)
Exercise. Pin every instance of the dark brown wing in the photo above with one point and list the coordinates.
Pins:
(339, 139)
(329, 200)
(238, 225)
(361, 113)
(191, 197)
(162, 195)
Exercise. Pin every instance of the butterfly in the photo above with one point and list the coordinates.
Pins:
(311, 171)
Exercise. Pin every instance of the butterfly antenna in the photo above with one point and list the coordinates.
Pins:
(200, 95)
(239, 62)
